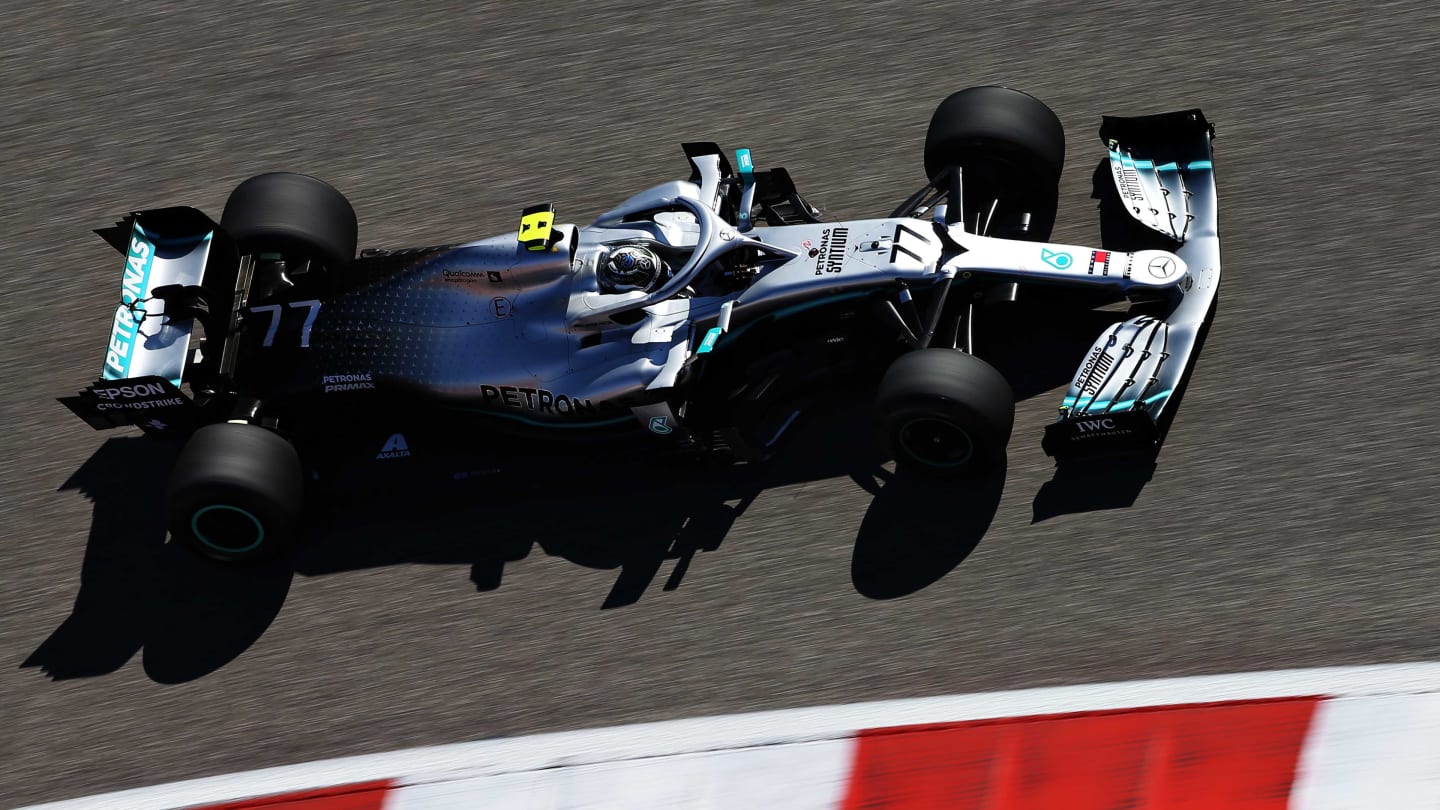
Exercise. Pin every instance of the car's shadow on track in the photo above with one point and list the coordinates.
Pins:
(619, 513)
(631, 517)
(189, 617)
(138, 593)
(918, 530)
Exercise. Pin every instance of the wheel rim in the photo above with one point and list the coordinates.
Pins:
(227, 529)
(936, 442)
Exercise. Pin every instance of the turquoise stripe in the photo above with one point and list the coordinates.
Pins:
(1125, 160)
(199, 535)
(747, 180)
(1122, 405)
(1194, 165)
(128, 299)
(709, 342)
(742, 157)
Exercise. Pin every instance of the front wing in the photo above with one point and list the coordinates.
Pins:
(1119, 399)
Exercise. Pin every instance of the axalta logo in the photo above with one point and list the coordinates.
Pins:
(395, 447)
(661, 425)
(123, 330)
(1095, 424)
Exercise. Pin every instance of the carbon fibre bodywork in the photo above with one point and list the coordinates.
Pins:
(499, 327)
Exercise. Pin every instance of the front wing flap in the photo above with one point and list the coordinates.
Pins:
(1112, 403)
(1154, 159)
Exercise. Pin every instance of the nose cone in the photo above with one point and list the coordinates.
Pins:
(1160, 268)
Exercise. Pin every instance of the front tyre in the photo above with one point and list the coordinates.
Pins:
(235, 493)
(1010, 148)
(944, 413)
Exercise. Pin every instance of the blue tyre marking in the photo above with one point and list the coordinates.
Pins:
(199, 535)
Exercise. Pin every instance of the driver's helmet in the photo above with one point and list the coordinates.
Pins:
(631, 267)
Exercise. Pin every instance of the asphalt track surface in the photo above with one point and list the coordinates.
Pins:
(1290, 520)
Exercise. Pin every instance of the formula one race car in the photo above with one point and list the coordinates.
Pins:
(699, 316)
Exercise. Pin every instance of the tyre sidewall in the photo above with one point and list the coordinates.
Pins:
(988, 448)
(1010, 146)
(235, 471)
(950, 387)
(187, 506)
(295, 215)
(1012, 123)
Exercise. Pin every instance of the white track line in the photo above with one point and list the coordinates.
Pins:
(1372, 752)
(786, 727)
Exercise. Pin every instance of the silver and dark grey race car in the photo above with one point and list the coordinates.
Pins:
(700, 316)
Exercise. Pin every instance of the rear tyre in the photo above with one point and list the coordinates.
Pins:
(294, 215)
(1010, 147)
(236, 493)
(944, 413)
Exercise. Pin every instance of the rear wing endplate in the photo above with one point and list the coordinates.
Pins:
(166, 252)
(165, 248)
(153, 403)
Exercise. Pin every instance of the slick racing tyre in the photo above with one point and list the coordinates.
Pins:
(943, 412)
(294, 215)
(236, 493)
(1010, 148)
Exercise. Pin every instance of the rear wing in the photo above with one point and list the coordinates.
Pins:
(1163, 170)
(147, 352)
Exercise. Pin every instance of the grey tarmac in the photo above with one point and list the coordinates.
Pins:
(1291, 520)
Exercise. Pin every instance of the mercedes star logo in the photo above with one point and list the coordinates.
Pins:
(1162, 266)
